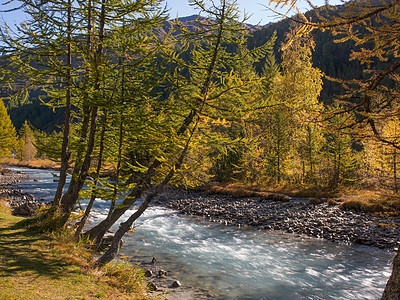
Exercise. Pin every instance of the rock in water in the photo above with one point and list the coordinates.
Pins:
(148, 273)
(176, 284)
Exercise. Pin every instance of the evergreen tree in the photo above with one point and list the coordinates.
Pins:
(8, 137)
(342, 159)
(27, 150)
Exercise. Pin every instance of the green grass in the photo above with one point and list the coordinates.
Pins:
(38, 266)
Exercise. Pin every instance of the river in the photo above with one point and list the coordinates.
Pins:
(237, 263)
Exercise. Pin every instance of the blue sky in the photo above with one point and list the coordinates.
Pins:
(256, 8)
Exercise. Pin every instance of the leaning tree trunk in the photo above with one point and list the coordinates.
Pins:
(94, 193)
(124, 227)
(392, 290)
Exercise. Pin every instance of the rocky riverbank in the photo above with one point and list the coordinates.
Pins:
(20, 203)
(298, 216)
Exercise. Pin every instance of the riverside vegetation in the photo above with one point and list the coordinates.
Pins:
(166, 103)
(34, 265)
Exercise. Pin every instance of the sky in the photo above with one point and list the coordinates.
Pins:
(256, 9)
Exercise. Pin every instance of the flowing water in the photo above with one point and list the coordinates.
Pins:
(245, 264)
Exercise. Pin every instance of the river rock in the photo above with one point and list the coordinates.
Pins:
(148, 273)
(21, 204)
(176, 284)
(4, 171)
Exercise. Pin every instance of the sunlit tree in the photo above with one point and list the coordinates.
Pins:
(8, 137)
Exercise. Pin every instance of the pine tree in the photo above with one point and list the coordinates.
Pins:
(341, 159)
(27, 150)
(8, 137)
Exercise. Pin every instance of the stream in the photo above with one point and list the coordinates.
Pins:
(235, 263)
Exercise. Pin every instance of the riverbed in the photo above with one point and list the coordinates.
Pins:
(227, 262)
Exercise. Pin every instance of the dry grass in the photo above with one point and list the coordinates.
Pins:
(39, 266)
(372, 202)
(37, 163)
(240, 190)
(367, 200)
(4, 207)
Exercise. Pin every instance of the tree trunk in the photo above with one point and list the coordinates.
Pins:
(94, 193)
(392, 290)
(124, 227)
(70, 198)
(64, 148)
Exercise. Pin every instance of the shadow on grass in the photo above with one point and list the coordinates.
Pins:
(25, 250)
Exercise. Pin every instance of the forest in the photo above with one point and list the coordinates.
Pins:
(128, 102)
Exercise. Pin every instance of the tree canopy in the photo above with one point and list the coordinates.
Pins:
(8, 136)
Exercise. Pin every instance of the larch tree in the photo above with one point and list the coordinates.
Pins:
(70, 52)
(381, 159)
(38, 54)
(27, 150)
(201, 89)
(8, 136)
(294, 108)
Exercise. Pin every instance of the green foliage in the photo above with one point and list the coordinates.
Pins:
(8, 138)
(26, 149)
(287, 135)
(342, 160)
(39, 115)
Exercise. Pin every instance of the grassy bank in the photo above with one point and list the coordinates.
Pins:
(37, 163)
(357, 199)
(37, 266)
